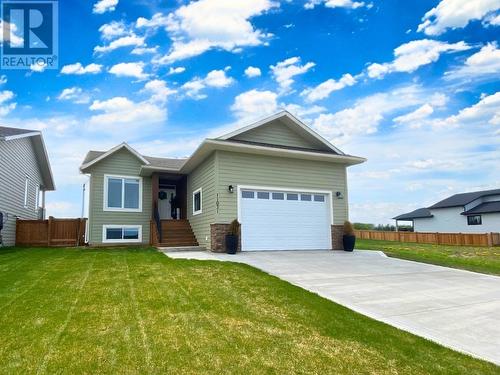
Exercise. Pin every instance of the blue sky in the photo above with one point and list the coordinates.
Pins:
(412, 86)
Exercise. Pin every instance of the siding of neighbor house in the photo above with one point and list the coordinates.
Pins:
(123, 163)
(449, 220)
(279, 134)
(204, 177)
(245, 169)
(17, 160)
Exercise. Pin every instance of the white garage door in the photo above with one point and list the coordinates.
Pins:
(284, 220)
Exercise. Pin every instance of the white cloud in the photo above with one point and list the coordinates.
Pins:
(103, 6)
(215, 78)
(415, 116)
(368, 113)
(486, 111)
(144, 50)
(208, 24)
(79, 69)
(432, 164)
(484, 62)
(6, 106)
(255, 103)
(74, 94)
(113, 30)
(349, 4)
(122, 114)
(11, 34)
(158, 90)
(412, 55)
(177, 70)
(38, 67)
(284, 71)
(492, 20)
(303, 112)
(158, 20)
(125, 41)
(455, 14)
(61, 209)
(323, 90)
(135, 70)
(252, 71)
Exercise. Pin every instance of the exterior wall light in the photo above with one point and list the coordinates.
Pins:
(339, 195)
(230, 188)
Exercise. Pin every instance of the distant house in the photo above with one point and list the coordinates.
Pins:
(283, 182)
(25, 176)
(476, 212)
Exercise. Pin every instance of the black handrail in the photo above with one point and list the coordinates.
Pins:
(156, 216)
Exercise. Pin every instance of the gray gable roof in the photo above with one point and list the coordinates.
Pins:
(167, 163)
(464, 198)
(484, 208)
(417, 214)
(6, 132)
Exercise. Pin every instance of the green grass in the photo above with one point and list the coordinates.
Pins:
(478, 259)
(135, 311)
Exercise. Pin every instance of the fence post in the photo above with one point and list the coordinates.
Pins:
(78, 225)
(490, 239)
(438, 239)
(49, 231)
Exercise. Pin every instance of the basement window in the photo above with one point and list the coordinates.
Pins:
(474, 220)
(121, 233)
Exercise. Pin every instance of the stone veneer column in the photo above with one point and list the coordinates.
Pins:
(337, 233)
(218, 238)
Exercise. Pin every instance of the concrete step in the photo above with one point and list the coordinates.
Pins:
(167, 249)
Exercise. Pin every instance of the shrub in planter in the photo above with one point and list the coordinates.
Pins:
(349, 239)
(232, 237)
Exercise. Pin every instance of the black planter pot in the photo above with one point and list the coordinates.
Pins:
(349, 242)
(231, 243)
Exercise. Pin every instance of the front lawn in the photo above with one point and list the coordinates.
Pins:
(135, 311)
(478, 259)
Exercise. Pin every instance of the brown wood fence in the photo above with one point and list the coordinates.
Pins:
(51, 232)
(459, 239)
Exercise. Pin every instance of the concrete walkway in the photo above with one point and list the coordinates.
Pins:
(458, 309)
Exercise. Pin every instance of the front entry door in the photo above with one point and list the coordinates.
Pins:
(164, 205)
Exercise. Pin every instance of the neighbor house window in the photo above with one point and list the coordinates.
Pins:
(121, 233)
(197, 201)
(37, 197)
(474, 220)
(122, 193)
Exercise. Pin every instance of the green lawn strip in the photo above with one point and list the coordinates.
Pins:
(478, 259)
(137, 311)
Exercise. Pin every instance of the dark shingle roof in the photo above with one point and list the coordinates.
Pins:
(9, 132)
(464, 198)
(167, 163)
(417, 214)
(484, 208)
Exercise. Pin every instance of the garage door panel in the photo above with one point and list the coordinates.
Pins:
(275, 224)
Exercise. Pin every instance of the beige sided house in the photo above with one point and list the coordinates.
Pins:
(283, 182)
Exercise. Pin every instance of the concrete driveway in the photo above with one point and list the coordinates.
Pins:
(458, 309)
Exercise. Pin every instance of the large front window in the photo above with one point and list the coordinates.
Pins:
(122, 193)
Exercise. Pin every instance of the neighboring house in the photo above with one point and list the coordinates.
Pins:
(476, 212)
(25, 176)
(284, 183)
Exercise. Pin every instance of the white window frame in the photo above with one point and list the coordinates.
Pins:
(26, 187)
(123, 209)
(37, 197)
(200, 190)
(121, 226)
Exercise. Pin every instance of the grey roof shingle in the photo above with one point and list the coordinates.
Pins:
(167, 163)
(484, 208)
(9, 132)
(464, 198)
(417, 214)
